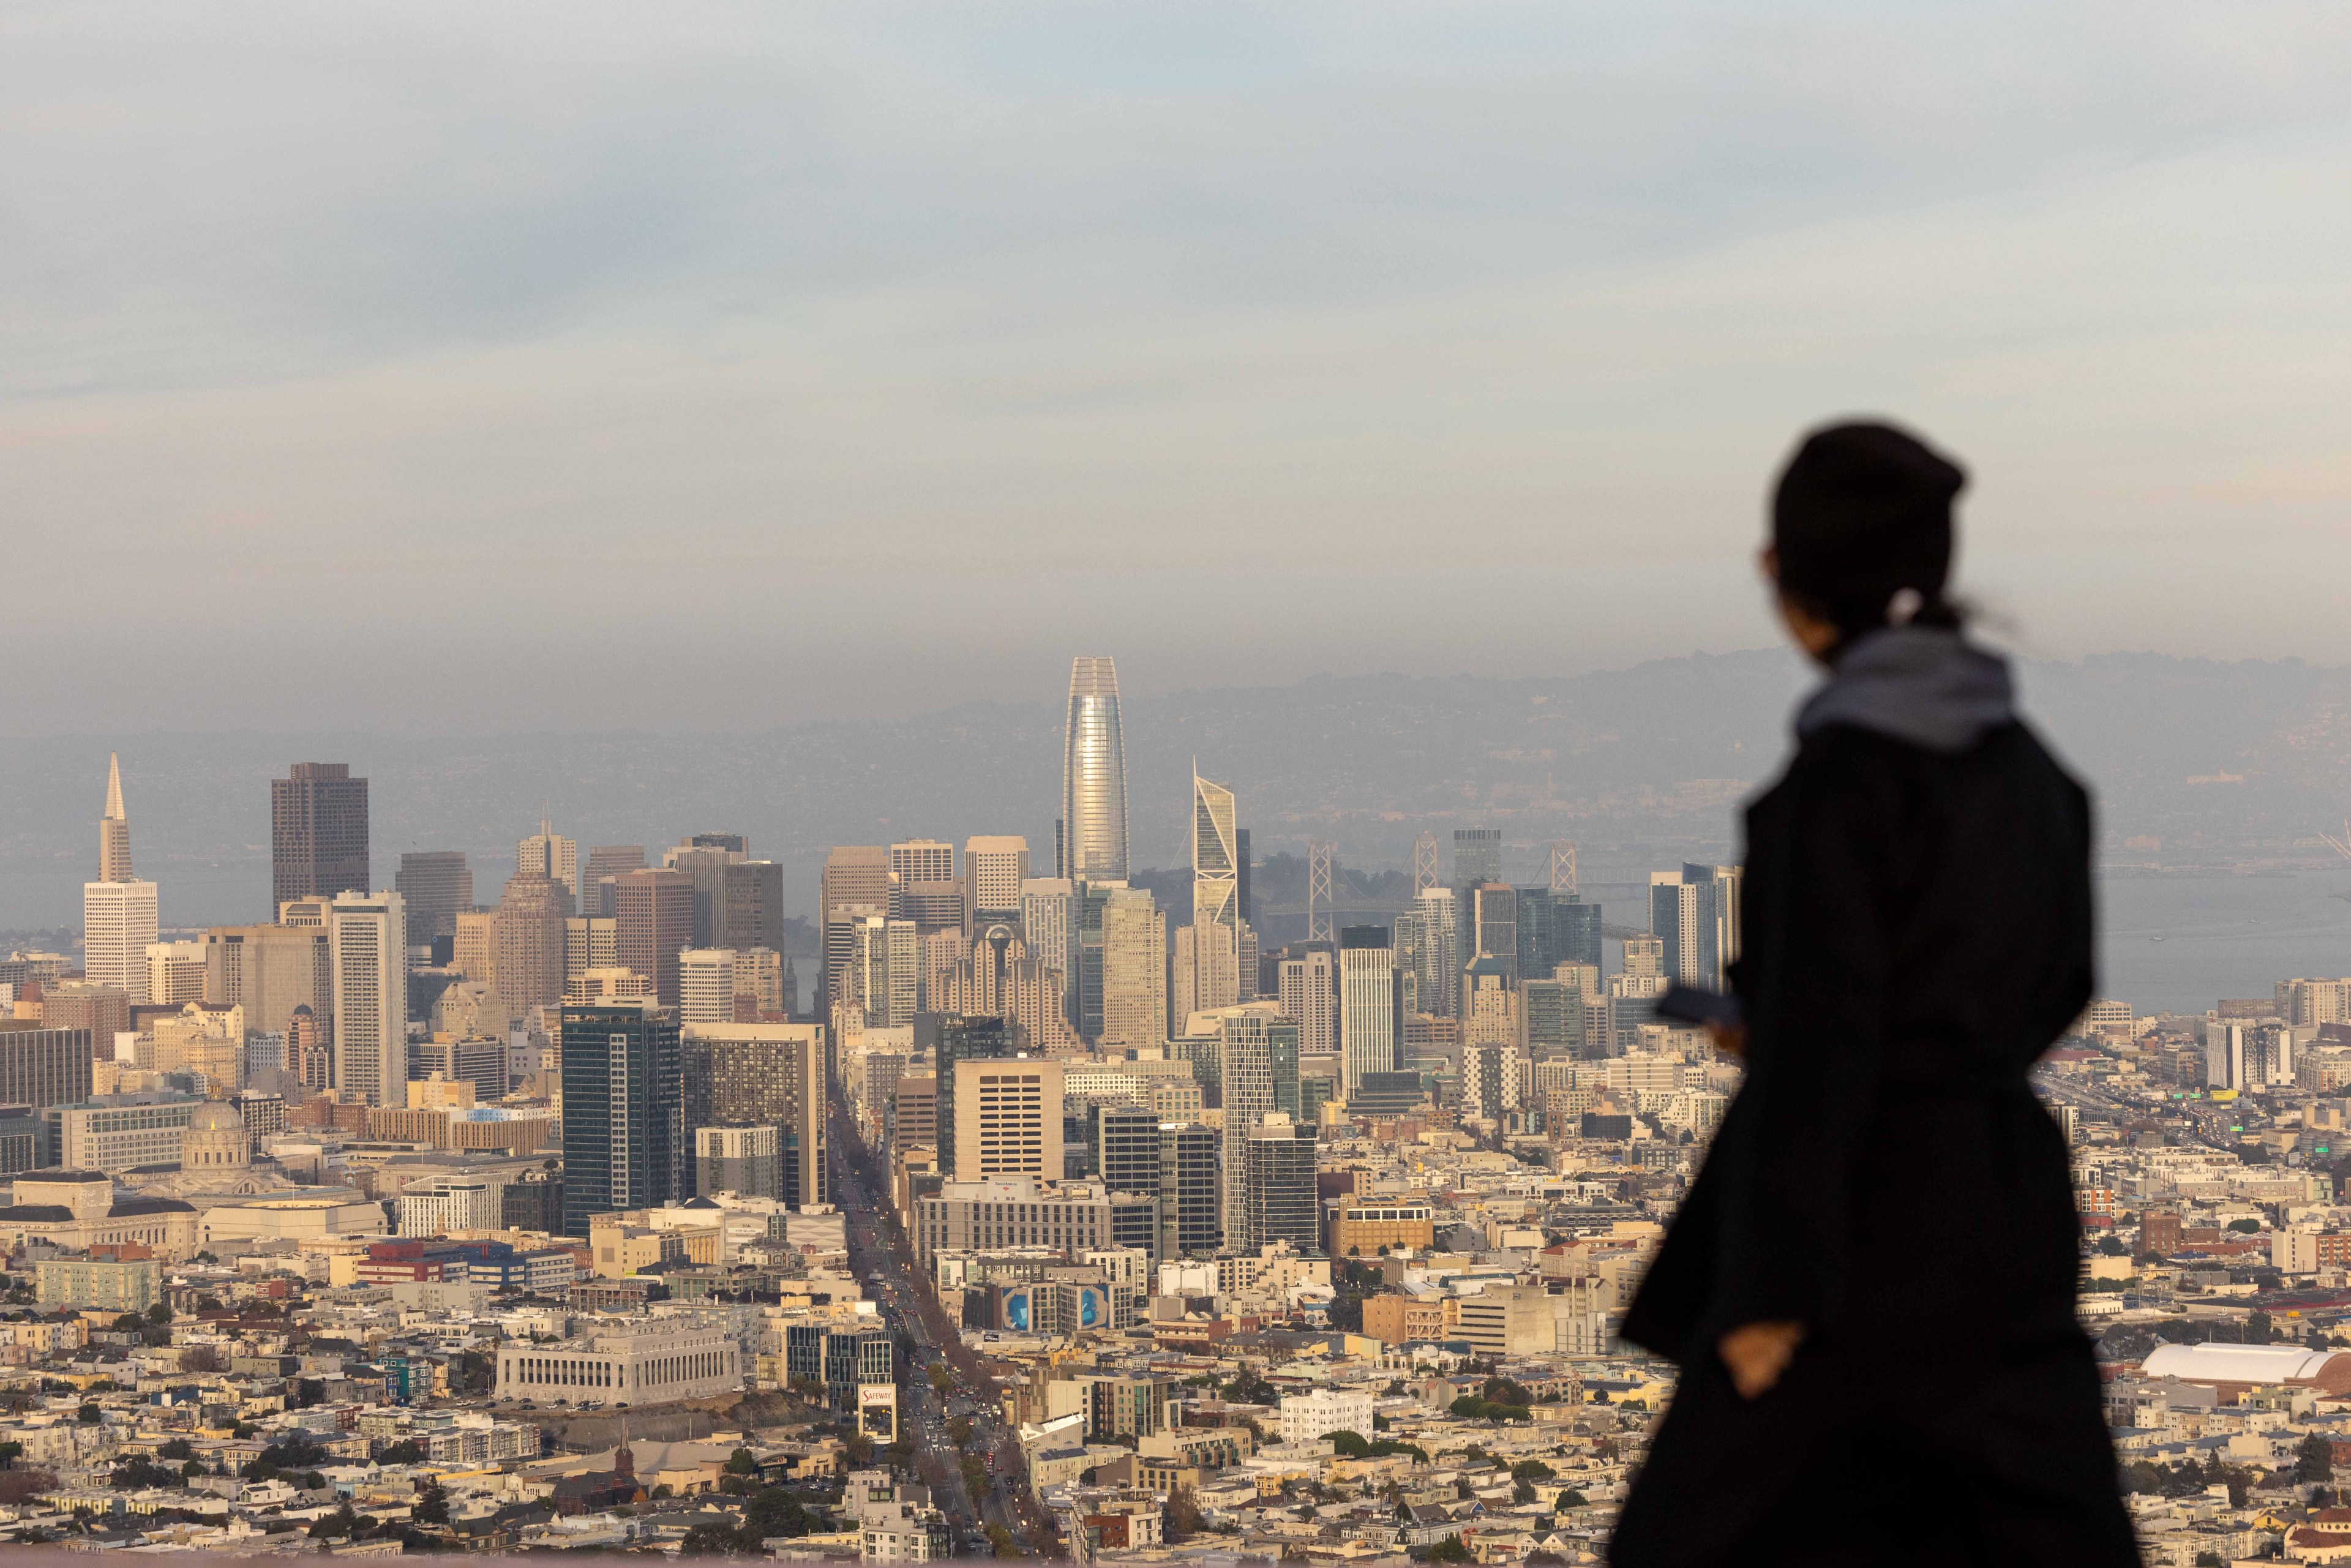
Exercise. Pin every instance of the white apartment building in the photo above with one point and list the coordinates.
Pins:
(452, 1204)
(1309, 1417)
(117, 921)
(705, 986)
(367, 935)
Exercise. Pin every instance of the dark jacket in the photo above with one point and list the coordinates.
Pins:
(1916, 919)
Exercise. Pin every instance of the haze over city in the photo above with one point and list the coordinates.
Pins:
(878, 356)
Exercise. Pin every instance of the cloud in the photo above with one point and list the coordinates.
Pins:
(891, 352)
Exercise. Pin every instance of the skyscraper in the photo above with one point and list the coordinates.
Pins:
(1476, 859)
(705, 863)
(1133, 970)
(528, 933)
(624, 1141)
(960, 1039)
(1371, 1006)
(549, 855)
(318, 833)
(705, 986)
(994, 868)
(1049, 924)
(653, 917)
(883, 974)
(1093, 777)
(607, 863)
(1191, 1190)
(1309, 996)
(1207, 971)
(1428, 938)
(1494, 928)
(1695, 912)
(856, 881)
(764, 1074)
(118, 912)
(1216, 857)
(118, 922)
(114, 827)
(1256, 1054)
(1007, 1118)
(436, 886)
(368, 954)
(1278, 1184)
(753, 912)
(270, 971)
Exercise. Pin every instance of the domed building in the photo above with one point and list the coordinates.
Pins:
(215, 1140)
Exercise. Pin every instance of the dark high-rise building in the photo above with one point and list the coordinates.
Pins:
(1241, 875)
(1127, 1159)
(765, 1075)
(534, 1203)
(318, 833)
(42, 1066)
(1578, 925)
(624, 1143)
(1555, 928)
(652, 913)
(1476, 859)
(1279, 1183)
(1094, 898)
(960, 1038)
(1191, 1191)
(753, 913)
(1494, 929)
(436, 884)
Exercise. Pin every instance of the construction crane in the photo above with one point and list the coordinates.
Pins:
(2341, 846)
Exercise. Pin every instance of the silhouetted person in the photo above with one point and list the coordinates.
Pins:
(1870, 1290)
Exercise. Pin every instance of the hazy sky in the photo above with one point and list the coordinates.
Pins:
(517, 367)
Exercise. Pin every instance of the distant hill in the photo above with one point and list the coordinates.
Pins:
(1642, 767)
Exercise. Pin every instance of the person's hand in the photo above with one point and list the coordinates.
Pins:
(1730, 1039)
(1756, 1353)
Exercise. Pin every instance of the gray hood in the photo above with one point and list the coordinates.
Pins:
(1923, 684)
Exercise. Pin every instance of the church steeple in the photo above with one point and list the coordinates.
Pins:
(114, 829)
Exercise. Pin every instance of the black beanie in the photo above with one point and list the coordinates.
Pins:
(1863, 511)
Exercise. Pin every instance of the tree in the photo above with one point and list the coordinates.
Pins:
(999, 1543)
(432, 1506)
(1448, 1550)
(774, 1512)
(407, 1451)
(130, 1323)
(177, 1449)
(712, 1541)
(1349, 1445)
(1533, 1470)
(1182, 1521)
(959, 1432)
(136, 1475)
(2314, 1460)
(741, 1463)
(10, 1452)
(159, 1315)
(859, 1448)
(342, 1521)
(22, 1486)
(89, 1415)
(941, 1378)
